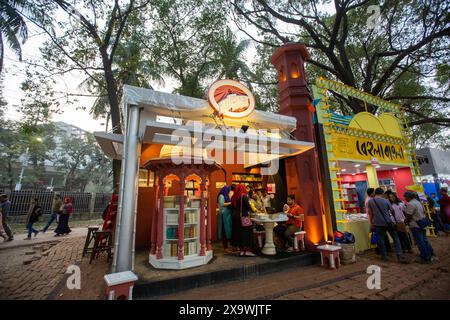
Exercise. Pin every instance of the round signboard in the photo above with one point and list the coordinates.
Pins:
(231, 99)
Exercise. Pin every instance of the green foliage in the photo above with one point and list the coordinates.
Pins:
(403, 58)
(184, 40)
(13, 29)
(83, 162)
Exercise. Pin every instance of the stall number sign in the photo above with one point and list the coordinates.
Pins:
(347, 147)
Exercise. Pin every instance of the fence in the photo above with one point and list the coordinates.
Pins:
(84, 204)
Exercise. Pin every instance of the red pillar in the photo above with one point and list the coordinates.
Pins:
(209, 220)
(295, 101)
(160, 220)
(202, 216)
(154, 219)
(181, 220)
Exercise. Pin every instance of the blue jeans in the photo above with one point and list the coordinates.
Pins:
(425, 248)
(381, 233)
(31, 229)
(52, 218)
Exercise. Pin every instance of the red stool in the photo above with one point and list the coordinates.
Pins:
(329, 256)
(259, 238)
(299, 237)
(120, 285)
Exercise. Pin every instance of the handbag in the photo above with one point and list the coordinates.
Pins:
(245, 221)
(390, 225)
(424, 222)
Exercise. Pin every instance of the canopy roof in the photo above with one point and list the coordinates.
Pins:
(163, 116)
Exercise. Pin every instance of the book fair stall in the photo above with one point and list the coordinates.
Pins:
(178, 152)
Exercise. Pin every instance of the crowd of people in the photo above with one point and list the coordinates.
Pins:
(61, 212)
(236, 204)
(390, 215)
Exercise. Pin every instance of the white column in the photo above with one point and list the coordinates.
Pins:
(124, 249)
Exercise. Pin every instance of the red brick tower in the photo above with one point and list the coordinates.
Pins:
(302, 171)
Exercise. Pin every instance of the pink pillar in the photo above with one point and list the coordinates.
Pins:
(202, 217)
(160, 221)
(181, 221)
(208, 237)
(154, 219)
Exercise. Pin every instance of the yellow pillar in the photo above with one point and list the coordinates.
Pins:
(372, 178)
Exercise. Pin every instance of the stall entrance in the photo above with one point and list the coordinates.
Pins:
(356, 177)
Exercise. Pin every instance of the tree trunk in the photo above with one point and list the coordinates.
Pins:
(113, 98)
(116, 163)
(10, 176)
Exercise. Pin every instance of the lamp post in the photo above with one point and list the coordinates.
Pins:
(24, 162)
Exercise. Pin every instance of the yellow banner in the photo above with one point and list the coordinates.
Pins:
(355, 148)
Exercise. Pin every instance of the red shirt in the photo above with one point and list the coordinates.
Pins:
(295, 210)
(445, 204)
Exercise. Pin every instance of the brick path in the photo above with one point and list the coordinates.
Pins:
(349, 282)
(44, 278)
(43, 270)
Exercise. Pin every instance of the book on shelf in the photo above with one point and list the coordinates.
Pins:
(171, 250)
(171, 233)
(190, 232)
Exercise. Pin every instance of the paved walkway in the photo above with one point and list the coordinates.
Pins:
(33, 272)
(38, 272)
(349, 282)
(49, 236)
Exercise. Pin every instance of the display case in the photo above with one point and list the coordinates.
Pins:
(172, 229)
(181, 221)
(351, 200)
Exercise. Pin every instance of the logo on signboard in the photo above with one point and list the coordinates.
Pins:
(231, 99)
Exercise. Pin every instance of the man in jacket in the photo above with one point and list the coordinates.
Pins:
(56, 208)
(379, 212)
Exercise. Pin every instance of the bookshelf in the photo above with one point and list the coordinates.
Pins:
(248, 179)
(171, 231)
(351, 201)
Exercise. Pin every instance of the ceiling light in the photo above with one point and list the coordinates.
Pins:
(394, 168)
(357, 165)
(378, 166)
(343, 170)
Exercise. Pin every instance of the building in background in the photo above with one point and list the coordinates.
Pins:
(435, 168)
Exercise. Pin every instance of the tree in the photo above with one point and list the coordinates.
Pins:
(10, 151)
(78, 159)
(87, 42)
(13, 29)
(185, 41)
(230, 61)
(129, 67)
(410, 38)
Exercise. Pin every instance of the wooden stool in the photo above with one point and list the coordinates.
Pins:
(299, 236)
(329, 256)
(102, 243)
(90, 236)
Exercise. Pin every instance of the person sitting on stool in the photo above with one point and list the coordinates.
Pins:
(293, 225)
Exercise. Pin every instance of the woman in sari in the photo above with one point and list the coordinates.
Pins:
(63, 223)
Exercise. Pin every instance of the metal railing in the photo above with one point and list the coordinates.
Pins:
(84, 203)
